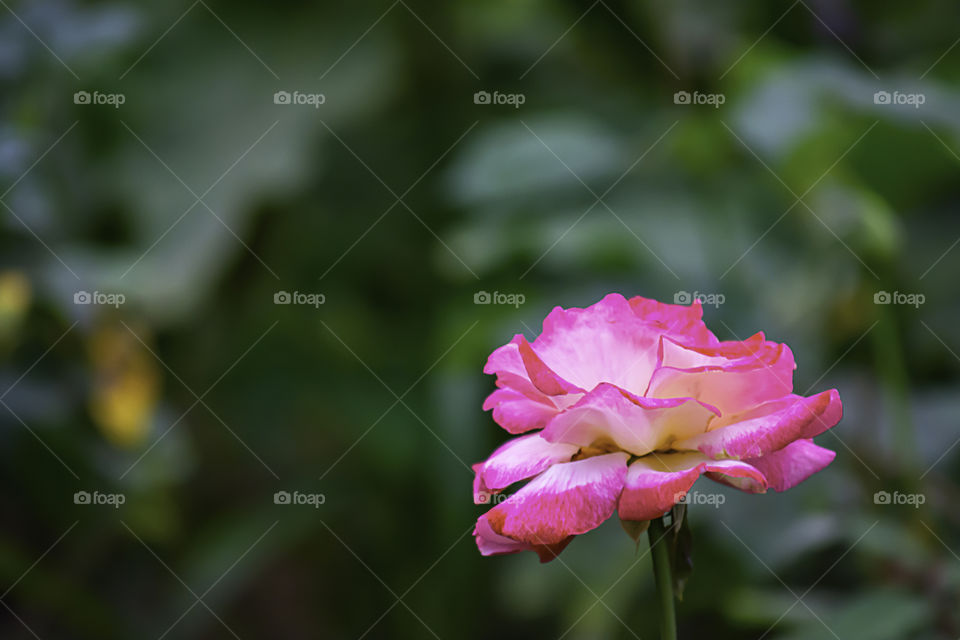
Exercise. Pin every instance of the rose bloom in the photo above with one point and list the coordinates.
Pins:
(623, 405)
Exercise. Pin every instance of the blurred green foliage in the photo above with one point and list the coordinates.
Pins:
(399, 198)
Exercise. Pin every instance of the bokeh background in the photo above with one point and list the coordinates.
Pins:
(784, 191)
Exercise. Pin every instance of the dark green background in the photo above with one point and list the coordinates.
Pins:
(598, 182)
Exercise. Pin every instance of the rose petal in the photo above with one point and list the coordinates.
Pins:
(767, 428)
(491, 543)
(680, 321)
(739, 384)
(517, 459)
(506, 359)
(606, 342)
(519, 406)
(610, 417)
(656, 482)
(567, 499)
(793, 464)
(754, 350)
(547, 381)
(518, 413)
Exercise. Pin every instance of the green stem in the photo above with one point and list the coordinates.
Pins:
(661, 574)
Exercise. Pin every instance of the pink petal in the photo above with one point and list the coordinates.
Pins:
(679, 355)
(730, 384)
(656, 482)
(567, 499)
(519, 406)
(793, 464)
(679, 321)
(518, 366)
(491, 543)
(506, 359)
(516, 460)
(547, 381)
(606, 342)
(517, 413)
(507, 363)
(767, 428)
(609, 417)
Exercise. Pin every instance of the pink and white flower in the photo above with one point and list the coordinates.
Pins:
(622, 406)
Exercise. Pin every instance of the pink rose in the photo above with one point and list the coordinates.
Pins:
(624, 405)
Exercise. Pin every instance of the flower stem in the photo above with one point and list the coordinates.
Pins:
(661, 574)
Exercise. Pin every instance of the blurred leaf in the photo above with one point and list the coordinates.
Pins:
(879, 615)
(522, 160)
